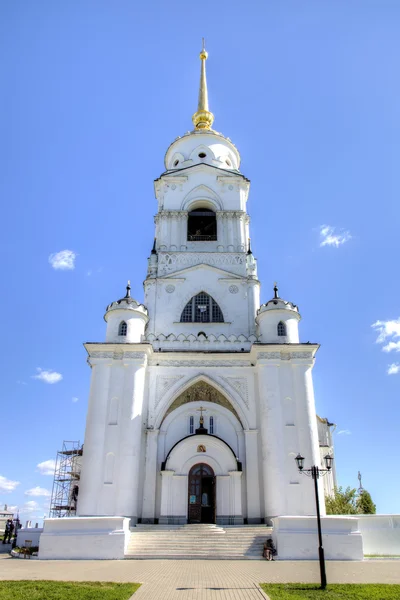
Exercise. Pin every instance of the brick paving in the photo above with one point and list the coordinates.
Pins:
(199, 579)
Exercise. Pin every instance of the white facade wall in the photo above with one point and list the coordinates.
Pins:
(271, 420)
(138, 455)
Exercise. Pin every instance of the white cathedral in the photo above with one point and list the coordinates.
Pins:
(201, 397)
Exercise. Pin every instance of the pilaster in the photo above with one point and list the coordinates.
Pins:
(252, 476)
(150, 478)
(92, 463)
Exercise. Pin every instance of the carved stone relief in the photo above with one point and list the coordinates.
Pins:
(240, 385)
(202, 392)
(163, 384)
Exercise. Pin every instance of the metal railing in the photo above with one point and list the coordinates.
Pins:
(202, 238)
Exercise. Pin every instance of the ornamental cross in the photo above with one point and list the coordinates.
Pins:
(201, 410)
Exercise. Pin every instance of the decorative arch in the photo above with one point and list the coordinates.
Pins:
(232, 398)
(176, 157)
(202, 149)
(219, 456)
(202, 196)
(192, 291)
(176, 410)
(202, 308)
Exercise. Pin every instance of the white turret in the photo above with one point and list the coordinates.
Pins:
(126, 320)
(278, 321)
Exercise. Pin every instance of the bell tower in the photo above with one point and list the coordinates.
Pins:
(202, 281)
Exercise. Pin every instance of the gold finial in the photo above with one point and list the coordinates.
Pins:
(203, 118)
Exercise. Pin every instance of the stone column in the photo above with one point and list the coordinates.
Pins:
(308, 432)
(220, 231)
(253, 298)
(229, 232)
(272, 434)
(92, 460)
(166, 495)
(130, 450)
(236, 512)
(183, 226)
(150, 480)
(252, 476)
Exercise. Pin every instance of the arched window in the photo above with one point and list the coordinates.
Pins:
(191, 425)
(202, 225)
(202, 309)
(281, 328)
(123, 328)
(211, 427)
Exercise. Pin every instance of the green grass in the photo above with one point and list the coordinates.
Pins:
(382, 555)
(301, 591)
(65, 590)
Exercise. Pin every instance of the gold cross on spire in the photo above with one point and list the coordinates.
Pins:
(203, 118)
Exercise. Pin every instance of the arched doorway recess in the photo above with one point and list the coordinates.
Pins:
(201, 494)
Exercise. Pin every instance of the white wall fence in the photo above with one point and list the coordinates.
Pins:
(380, 533)
(84, 538)
(29, 534)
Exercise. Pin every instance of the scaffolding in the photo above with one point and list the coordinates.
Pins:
(67, 471)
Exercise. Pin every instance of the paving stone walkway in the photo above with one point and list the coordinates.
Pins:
(199, 579)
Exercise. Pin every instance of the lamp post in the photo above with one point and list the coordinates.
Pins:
(315, 473)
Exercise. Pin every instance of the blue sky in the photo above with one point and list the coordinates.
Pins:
(92, 95)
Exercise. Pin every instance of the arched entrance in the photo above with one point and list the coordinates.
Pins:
(201, 494)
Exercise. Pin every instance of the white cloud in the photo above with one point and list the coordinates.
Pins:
(63, 260)
(47, 376)
(7, 485)
(12, 508)
(388, 329)
(344, 432)
(75, 399)
(46, 467)
(393, 369)
(30, 507)
(21, 382)
(330, 236)
(38, 491)
(389, 332)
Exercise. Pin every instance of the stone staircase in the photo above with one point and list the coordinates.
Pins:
(243, 542)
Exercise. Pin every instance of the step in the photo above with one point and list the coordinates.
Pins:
(201, 541)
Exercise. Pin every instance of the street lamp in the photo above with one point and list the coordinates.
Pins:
(315, 472)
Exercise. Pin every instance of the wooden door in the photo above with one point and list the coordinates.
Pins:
(201, 494)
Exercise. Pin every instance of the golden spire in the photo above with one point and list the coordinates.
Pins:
(203, 118)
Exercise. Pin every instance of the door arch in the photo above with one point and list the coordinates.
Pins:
(201, 494)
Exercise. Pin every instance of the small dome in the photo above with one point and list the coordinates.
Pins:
(126, 303)
(276, 303)
(202, 147)
(278, 321)
(126, 320)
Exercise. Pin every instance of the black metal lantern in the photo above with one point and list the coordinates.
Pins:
(328, 461)
(300, 461)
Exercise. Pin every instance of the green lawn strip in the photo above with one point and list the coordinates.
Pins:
(301, 591)
(66, 590)
(382, 555)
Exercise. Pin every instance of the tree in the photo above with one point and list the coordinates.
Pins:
(364, 503)
(343, 502)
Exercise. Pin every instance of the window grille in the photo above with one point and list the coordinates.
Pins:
(202, 309)
(123, 328)
(211, 427)
(191, 425)
(202, 225)
(281, 328)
